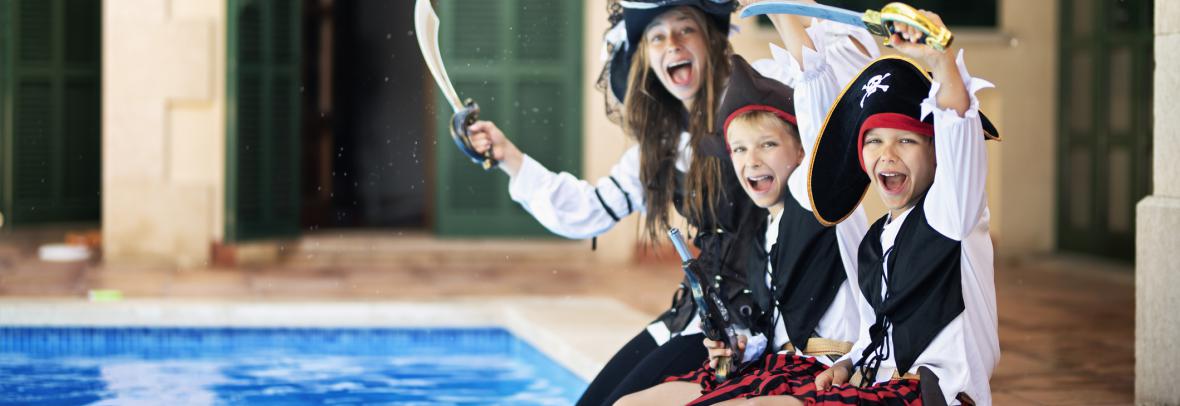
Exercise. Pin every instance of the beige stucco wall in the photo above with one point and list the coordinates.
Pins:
(163, 132)
(1020, 57)
(603, 142)
(1025, 71)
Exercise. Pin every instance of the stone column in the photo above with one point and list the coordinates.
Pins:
(1157, 235)
(163, 132)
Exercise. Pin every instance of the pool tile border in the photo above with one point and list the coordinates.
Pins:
(580, 333)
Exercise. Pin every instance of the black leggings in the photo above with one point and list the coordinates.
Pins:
(642, 364)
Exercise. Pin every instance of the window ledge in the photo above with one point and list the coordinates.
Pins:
(985, 36)
(964, 37)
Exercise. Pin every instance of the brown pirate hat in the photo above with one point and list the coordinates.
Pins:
(747, 90)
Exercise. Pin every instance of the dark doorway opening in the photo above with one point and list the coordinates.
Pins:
(366, 160)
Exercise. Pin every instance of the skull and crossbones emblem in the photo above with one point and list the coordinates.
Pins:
(872, 86)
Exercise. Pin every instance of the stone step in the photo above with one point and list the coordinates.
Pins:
(369, 248)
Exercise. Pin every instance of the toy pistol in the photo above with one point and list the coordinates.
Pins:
(716, 321)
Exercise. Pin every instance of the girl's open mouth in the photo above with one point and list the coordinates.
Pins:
(680, 72)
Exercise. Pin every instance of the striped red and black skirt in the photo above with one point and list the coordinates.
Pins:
(775, 372)
(789, 375)
(898, 392)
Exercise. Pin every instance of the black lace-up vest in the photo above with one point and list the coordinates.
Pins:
(807, 274)
(924, 284)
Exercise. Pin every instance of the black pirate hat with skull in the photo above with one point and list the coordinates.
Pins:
(888, 93)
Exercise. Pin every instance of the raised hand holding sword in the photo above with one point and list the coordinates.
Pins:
(891, 19)
(465, 113)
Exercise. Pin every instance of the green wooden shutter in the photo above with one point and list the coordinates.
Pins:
(52, 113)
(1104, 124)
(521, 61)
(262, 185)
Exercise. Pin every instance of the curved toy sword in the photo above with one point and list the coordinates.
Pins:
(879, 23)
(466, 113)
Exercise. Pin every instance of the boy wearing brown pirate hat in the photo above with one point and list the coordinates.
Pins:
(802, 275)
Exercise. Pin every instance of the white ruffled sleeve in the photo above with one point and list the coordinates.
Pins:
(957, 197)
(573, 208)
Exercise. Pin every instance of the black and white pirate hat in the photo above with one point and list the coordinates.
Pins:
(887, 93)
(630, 19)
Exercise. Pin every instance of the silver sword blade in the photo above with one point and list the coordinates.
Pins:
(426, 29)
(804, 9)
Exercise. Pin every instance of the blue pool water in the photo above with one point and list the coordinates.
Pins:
(271, 366)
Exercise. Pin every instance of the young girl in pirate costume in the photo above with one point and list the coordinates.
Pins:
(804, 274)
(667, 65)
(925, 269)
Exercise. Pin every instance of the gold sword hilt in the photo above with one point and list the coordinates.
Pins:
(881, 23)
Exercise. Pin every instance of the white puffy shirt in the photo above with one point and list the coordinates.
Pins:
(966, 351)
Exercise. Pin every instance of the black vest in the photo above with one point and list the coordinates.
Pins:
(722, 243)
(807, 274)
(925, 290)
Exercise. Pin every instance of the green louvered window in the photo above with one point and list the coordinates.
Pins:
(521, 61)
(50, 110)
(263, 113)
(1104, 124)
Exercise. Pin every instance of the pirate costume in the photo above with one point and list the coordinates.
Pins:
(574, 208)
(804, 275)
(927, 274)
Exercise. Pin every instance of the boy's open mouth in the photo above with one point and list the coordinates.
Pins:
(891, 182)
(680, 72)
(760, 184)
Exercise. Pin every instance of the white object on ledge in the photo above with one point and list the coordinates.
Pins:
(63, 253)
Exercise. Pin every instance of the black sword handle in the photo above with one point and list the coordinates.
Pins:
(463, 119)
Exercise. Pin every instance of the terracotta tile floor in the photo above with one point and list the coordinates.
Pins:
(1066, 324)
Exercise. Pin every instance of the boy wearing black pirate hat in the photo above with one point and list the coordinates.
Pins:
(926, 268)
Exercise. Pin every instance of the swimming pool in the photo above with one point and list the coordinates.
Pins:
(243, 365)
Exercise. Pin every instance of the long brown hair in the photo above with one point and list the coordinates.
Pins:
(655, 118)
